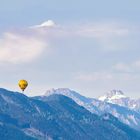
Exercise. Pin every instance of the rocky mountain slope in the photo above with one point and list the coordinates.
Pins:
(56, 117)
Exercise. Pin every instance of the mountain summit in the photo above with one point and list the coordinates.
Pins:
(112, 95)
(118, 97)
(64, 91)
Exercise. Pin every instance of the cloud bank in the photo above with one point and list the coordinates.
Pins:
(19, 47)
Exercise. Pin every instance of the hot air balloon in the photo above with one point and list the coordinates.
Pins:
(23, 84)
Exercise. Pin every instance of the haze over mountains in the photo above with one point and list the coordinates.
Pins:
(55, 116)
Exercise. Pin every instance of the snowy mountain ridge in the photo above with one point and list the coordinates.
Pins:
(118, 97)
(112, 95)
(114, 102)
(81, 100)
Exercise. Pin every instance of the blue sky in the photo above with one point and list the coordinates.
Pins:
(88, 46)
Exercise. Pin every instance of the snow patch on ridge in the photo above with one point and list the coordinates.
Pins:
(112, 95)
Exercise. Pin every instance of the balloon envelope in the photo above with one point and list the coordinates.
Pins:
(23, 84)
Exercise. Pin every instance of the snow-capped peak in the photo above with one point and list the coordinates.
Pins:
(112, 95)
(118, 97)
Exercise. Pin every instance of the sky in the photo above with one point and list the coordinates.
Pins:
(88, 46)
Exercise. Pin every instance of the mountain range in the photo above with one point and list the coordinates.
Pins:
(55, 116)
(113, 102)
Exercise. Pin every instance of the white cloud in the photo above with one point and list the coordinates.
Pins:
(25, 45)
(95, 76)
(18, 48)
(127, 67)
(136, 64)
(109, 80)
(48, 23)
(110, 36)
(93, 30)
(99, 30)
(122, 67)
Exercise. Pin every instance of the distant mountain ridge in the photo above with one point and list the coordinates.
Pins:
(118, 97)
(112, 95)
(56, 117)
(114, 102)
